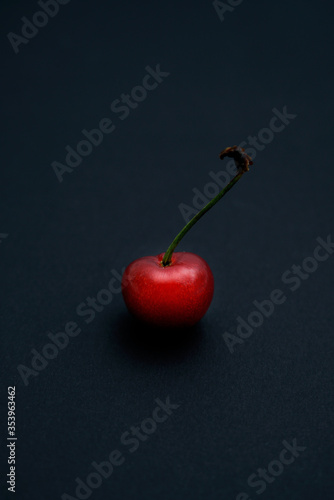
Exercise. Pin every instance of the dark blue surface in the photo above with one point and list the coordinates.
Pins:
(123, 201)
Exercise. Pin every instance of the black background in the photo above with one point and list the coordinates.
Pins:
(121, 203)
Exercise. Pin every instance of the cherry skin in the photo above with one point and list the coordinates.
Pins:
(176, 295)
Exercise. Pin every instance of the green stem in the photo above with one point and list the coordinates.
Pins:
(168, 255)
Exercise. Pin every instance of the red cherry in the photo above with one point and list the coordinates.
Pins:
(176, 289)
(176, 295)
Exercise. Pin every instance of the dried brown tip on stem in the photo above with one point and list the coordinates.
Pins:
(242, 159)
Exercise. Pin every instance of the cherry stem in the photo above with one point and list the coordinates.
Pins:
(168, 255)
(242, 162)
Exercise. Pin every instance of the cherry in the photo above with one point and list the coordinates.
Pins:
(175, 295)
(176, 289)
